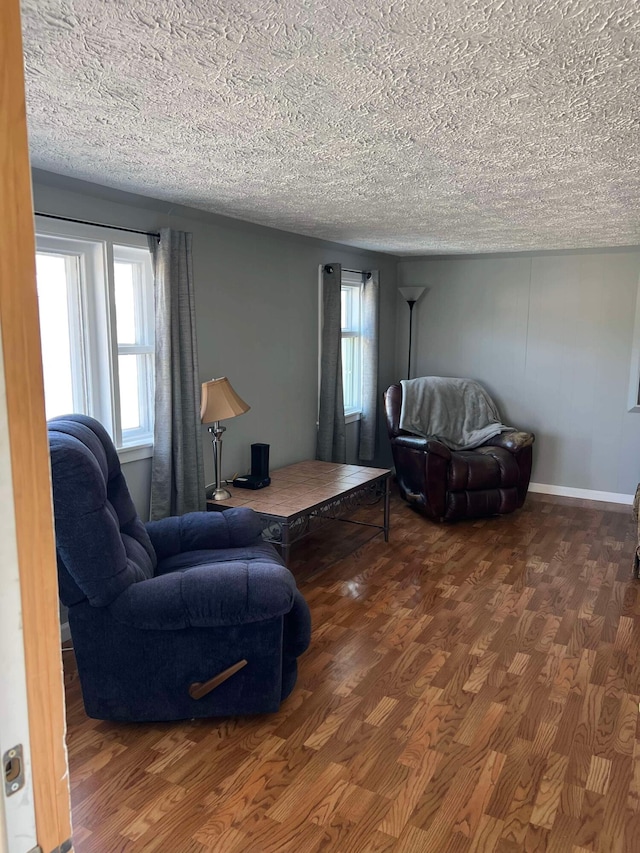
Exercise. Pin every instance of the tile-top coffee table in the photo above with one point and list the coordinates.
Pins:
(303, 493)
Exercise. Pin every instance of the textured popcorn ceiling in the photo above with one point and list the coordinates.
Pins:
(412, 127)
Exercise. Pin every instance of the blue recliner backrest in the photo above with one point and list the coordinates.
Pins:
(101, 544)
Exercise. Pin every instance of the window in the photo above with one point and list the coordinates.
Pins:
(95, 295)
(351, 328)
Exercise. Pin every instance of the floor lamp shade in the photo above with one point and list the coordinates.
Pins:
(411, 294)
(218, 402)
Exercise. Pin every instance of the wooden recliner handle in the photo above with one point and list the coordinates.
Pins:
(200, 688)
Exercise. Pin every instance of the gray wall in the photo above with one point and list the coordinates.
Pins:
(257, 317)
(550, 336)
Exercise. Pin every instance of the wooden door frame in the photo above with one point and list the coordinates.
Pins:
(29, 449)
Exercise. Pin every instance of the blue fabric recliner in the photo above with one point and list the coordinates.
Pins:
(158, 611)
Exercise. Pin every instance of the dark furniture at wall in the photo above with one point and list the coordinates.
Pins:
(191, 616)
(452, 484)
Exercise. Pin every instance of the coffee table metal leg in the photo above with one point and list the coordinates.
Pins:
(286, 544)
(387, 497)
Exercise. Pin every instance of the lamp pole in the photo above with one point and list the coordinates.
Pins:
(217, 431)
(411, 295)
(410, 303)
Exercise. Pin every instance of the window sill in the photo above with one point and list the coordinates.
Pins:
(352, 417)
(132, 454)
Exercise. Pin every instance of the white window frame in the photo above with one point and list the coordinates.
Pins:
(351, 283)
(94, 341)
(143, 295)
(350, 280)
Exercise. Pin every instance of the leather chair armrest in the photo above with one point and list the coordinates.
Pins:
(427, 445)
(515, 440)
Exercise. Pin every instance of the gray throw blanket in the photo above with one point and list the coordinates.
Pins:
(458, 412)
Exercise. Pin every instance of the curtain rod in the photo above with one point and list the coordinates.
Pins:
(329, 269)
(98, 224)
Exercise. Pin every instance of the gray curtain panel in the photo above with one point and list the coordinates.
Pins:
(177, 474)
(369, 417)
(331, 446)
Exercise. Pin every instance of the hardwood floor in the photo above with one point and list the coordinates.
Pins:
(470, 688)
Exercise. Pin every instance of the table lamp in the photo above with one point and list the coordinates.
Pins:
(219, 401)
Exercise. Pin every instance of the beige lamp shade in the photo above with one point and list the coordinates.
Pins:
(220, 401)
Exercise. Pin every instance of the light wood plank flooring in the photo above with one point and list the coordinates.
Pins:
(470, 688)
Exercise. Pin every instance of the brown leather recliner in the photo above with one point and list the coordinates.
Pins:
(452, 484)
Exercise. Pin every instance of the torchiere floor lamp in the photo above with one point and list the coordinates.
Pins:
(412, 295)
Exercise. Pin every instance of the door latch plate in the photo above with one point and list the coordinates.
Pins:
(13, 770)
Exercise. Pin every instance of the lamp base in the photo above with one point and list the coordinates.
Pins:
(220, 494)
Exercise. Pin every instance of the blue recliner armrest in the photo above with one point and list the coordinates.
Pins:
(297, 627)
(234, 593)
(203, 531)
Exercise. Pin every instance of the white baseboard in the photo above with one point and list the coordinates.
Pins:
(65, 632)
(586, 494)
